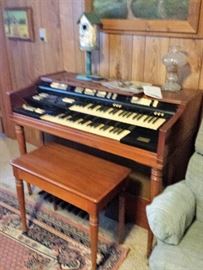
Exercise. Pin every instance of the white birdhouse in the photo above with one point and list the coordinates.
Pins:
(89, 25)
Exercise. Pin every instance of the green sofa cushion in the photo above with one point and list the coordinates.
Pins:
(171, 213)
(194, 180)
(185, 256)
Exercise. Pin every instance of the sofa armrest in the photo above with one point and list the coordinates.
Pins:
(170, 213)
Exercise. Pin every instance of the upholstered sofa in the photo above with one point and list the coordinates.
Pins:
(176, 219)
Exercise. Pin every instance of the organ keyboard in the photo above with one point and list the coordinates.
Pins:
(128, 119)
(123, 123)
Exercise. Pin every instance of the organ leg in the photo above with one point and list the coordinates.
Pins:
(156, 183)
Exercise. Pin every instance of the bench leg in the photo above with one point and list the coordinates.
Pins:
(29, 188)
(94, 223)
(55, 206)
(121, 218)
(21, 201)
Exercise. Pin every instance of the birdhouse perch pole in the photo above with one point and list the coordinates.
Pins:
(88, 63)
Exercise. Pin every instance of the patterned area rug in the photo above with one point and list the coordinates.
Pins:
(53, 242)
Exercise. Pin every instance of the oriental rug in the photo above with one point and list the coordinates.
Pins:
(53, 241)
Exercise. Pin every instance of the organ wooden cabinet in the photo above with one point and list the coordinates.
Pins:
(136, 130)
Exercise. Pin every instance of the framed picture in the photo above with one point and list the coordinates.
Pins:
(18, 23)
(173, 16)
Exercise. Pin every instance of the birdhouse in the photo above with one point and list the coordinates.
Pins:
(89, 25)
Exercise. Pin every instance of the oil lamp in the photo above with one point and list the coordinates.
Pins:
(173, 60)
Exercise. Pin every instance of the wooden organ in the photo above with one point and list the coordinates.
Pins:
(156, 133)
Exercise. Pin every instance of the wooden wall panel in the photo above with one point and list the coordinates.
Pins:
(120, 64)
(114, 56)
(104, 58)
(138, 57)
(78, 8)
(5, 80)
(120, 56)
(20, 55)
(68, 35)
(52, 49)
(154, 71)
(36, 47)
(125, 57)
(31, 59)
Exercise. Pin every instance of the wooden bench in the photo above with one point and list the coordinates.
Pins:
(78, 178)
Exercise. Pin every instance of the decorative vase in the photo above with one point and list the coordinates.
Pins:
(173, 60)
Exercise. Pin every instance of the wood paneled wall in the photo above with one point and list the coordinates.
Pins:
(121, 56)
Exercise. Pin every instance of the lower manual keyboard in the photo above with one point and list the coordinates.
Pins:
(91, 125)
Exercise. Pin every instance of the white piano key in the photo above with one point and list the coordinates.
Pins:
(33, 109)
(68, 100)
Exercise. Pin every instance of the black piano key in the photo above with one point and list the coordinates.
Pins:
(106, 109)
(90, 124)
(129, 114)
(111, 130)
(146, 118)
(94, 120)
(122, 125)
(140, 116)
(75, 117)
(154, 121)
(131, 128)
(103, 108)
(84, 104)
(150, 119)
(99, 108)
(105, 127)
(122, 113)
(92, 106)
(125, 113)
(62, 115)
(86, 118)
(97, 124)
(119, 131)
(65, 115)
(113, 111)
(135, 116)
(106, 124)
(116, 129)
